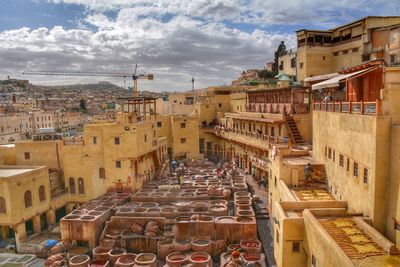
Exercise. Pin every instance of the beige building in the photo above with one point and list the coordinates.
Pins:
(322, 52)
(110, 156)
(287, 63)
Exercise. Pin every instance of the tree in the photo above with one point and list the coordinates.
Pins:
(280, 52)
(265, 74)
(82, 104)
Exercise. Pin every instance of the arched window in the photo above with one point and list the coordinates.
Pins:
(2, 205)
(42, 193)
(28, 199)
(72, 185)
(102, 173)
(81, 186)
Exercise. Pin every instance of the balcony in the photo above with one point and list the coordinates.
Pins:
(73, 141)
(248, 137)
(362, 108)
(58, 192)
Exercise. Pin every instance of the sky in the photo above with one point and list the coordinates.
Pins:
(210, 40)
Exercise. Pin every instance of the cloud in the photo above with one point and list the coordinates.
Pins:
(174, 50)
(212, 40)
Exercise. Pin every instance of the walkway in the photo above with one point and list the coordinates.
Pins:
(263, 222)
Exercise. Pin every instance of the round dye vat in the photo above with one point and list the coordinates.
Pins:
(88, 218)
(79, 261)
(148, 205)
(124, 209)
(139, 209)
(251, 256)
(72, 217)
(199, 259)
(226, 220)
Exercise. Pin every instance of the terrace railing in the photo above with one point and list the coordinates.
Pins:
(364, 108)
(253, 135)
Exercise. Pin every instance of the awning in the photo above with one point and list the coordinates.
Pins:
(321, 77)
(334, 82)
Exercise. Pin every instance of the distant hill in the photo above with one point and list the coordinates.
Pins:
(90, 86)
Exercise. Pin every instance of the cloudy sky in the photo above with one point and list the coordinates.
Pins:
(212, 40)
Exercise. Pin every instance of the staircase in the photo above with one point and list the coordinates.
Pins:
(293, 130)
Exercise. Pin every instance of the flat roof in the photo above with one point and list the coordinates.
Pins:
(351, 238)
(300, 160)
(307, 194)
(4, 173)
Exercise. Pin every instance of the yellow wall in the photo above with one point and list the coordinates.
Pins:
(361, 139)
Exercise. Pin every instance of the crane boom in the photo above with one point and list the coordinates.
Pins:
(96, 74)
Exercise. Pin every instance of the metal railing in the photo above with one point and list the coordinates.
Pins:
(364, 108)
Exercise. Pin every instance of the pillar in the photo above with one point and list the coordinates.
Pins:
(20, 235)
(4, 232)
(36, 224)
(51, 217)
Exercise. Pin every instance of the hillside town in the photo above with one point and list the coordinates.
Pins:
(294, 164)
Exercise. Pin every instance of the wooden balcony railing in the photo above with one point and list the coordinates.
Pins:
(220, 130)
(364, 108)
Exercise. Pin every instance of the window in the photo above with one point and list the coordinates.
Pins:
(330, 153)
(365, 176)
(335, 54)
(159, 124)
(301, 65)
(3, 208)
(326, 151)
(42, 193)
(102, 173)
(81, 186)
(272, 131)
(348, 165)
(393, 58)
(116, 140)
(145, 138)
(341, 160)
(28, 199)
(276, 181)
(118, 164)
(333, 156)
(354, 50)
(183, 125)
(94, 140)
(355, 169)
(313, 261)
(220, 105)
(396, 225)
(366, 57)
(296, 246)
(277, 236)
(27, 155)
(323, 58)
(72, 185)
(345, 52)
(183, 140)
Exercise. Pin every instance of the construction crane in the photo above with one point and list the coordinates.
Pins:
(134, 76)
